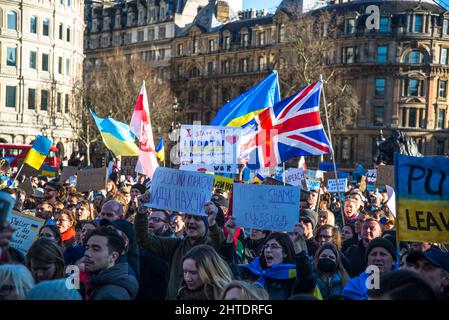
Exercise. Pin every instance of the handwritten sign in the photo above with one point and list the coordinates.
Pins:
(334, 185)
(422, 189)
(385, 177)
(68, 172)
(209, 148)
(294, 176)
(371, 177)
(128, 165)
(179, 190)
(266, 207)
(91, 179)
(313, 184)
(223, 183)
(27, 230)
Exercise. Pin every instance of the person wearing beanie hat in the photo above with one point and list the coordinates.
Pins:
(139, 187)
(380, 258)
(132, 255)
(308, 220)
(53, 290)
(199, 230)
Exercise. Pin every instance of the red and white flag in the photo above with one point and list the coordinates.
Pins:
(302, 163)
(141, 127)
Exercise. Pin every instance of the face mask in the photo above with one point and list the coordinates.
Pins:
(327, 265)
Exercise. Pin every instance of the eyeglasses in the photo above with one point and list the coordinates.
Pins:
(156, 219)
(272, 246)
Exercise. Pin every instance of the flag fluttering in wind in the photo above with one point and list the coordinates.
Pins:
(141, 126)
(116, 136)
(38, 152)
(245, 107)
(302, 163)
(160, 150)
(289, 129)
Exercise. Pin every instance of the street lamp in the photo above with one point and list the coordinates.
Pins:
(175, 109)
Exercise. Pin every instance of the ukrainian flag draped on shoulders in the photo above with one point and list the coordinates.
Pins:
(245, 107)
(116, 136)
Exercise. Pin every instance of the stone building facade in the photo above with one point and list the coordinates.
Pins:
(41, 63)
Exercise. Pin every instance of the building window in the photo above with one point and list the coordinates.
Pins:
(350, 26)
(227, 43)
(382, 54)
(440, 147)
(195, 45)
(261, 63)
(245, 42)
(225, 66)
(33, 55)
(445, 26)
(60, 65)
(161, 32)
(12, 20)
(281, 33)
(193, 97)
(443, 56)
(58, 102)
(61, 30)
(262, 39)
(441, 118)
(243, 66)
(180, 49)
(211, 45)
(350, 55)
(161, 53)
(66, 104)
(346, 150)
(418, 26)
(31, 99)
(225, 95)
(44, 62)
(380, 87)
(179, 71)
(384, 24)
(414, 57)
(210, 68)
(33, 24)
(45, 27)
(140, 36)
(378, 116)
(442, 89)
(11, 57)
(67, 67)
(150, 34)
(412, 116)
(10, 96)
(68, 36)
(194, 73)
(44, 100)
(69, 3)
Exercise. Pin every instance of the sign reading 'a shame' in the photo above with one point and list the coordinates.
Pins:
(178, 190)
(266, 207)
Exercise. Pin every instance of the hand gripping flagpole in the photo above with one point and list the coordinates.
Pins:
(332, 150)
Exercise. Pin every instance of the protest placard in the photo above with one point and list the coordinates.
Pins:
(313, 184)
(339, 185)
(128, 165)
(91, 179)
(363, 184)
(266, 207)
(422, 194)
(371, 177)
(385, 177)
(295, 176)
(223, 183)
(180, 190)
(27, 229)
(272, 182)
(68, 172)
(209, 148)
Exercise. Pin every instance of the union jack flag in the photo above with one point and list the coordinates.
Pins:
(291, 128)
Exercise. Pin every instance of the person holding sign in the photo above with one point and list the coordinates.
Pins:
(199, 230)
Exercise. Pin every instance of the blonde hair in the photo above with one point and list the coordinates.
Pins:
(20, 276)
(89, 207)
(330, 218)
(212, 269)
(248, 290)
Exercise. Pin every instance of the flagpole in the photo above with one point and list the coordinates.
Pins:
(283, 173)
(332, 149)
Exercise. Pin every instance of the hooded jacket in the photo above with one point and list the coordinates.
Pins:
(173, 250)
(113, 284)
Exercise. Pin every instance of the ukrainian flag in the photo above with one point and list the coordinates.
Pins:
(259, 178)
(49, 171)
(116, 136)
(160, 150)
(38, 152)
(245, 107)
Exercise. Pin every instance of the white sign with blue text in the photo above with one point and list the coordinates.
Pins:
(266, 207)
(178, 190)
(339, 185)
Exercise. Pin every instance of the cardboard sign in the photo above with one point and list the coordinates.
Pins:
(337, 185)
(209, 148)
(179, 190)
(224, 183)
(313, 184)
(68, 172)
(385, 176)
(371, 177)
(422, 189)
(294, 176)
(91, 179)
(128, 166)
(363, 184)
(27, 230)
(272, 182)
(266, 207)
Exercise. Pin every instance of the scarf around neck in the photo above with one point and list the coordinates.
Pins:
(277, 271)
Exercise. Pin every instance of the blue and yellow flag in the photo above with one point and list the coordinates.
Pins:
(116, 136)
(259, 178)
(245, 107)
(160, 150)
(49, 171)
(38, 152)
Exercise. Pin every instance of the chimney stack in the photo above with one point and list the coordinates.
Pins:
(222, 11)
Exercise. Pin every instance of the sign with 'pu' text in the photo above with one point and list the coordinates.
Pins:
(422, 194)
(266, 207)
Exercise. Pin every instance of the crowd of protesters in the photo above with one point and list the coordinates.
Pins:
(126, 251)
